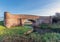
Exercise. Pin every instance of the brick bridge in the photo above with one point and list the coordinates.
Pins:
(16, 20)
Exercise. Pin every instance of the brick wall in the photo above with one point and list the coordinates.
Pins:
(16, 20)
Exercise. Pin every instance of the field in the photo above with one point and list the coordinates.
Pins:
(16, 34)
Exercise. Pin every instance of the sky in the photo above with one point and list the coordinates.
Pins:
(30, 7)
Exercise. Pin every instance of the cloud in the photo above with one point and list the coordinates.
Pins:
(49, 9)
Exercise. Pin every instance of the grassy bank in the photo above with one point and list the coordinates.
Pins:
(14, 31)
(51, 26)
(16, 34)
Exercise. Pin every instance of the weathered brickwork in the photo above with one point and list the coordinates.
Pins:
(16, 20)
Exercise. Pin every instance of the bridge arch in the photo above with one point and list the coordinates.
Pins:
(15, 20)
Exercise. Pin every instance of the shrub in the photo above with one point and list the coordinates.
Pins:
(45, 26)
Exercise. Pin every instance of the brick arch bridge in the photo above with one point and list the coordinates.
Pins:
(16, 20)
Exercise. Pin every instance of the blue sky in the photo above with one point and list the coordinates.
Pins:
(32, 7)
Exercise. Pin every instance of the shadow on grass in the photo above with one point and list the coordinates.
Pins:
(48, 30)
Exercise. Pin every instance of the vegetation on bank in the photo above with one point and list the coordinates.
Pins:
(16, 34)
(50, 26)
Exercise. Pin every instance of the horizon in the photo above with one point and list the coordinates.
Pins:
(30, 7)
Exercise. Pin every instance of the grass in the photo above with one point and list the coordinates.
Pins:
(13, 31)
(16, 34)
(55, 26)
(47, 37)
(52, 26)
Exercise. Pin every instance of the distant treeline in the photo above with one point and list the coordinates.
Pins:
(1, 18)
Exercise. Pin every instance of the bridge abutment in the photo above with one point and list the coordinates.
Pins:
(16, 20)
